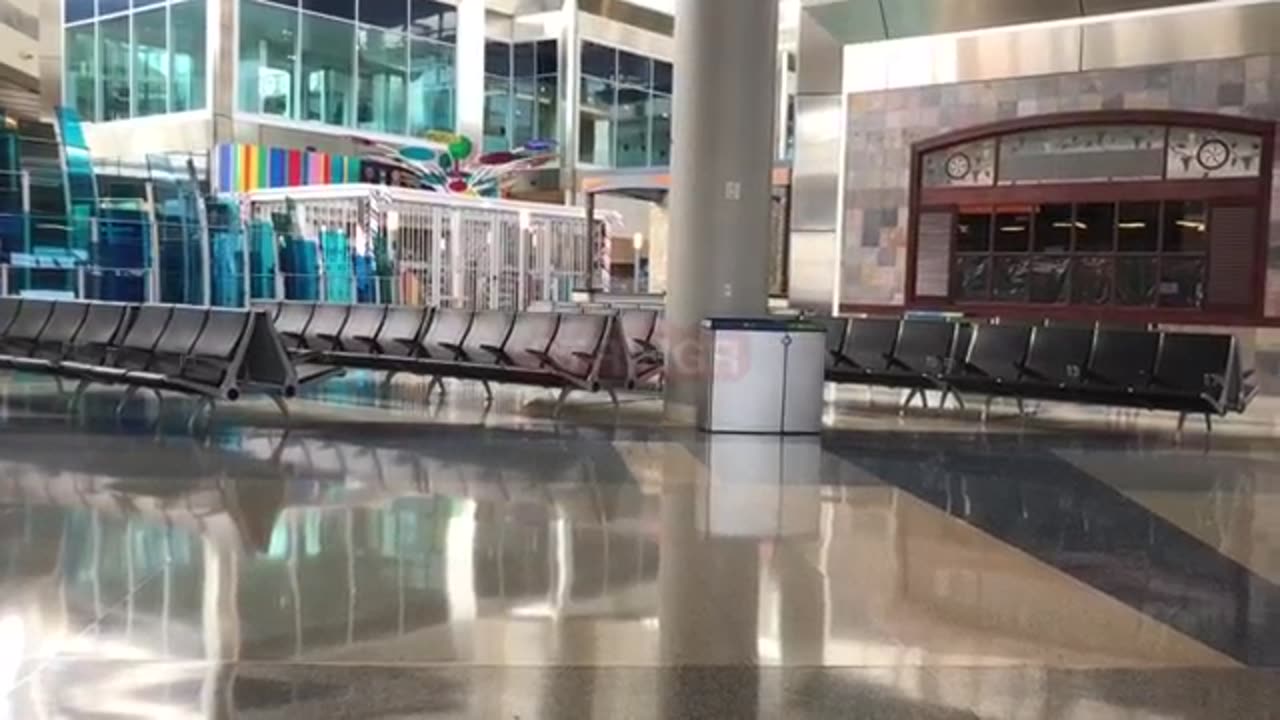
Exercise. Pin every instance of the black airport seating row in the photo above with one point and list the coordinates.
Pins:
(1187, 373)
(213, 354)
(566, 351)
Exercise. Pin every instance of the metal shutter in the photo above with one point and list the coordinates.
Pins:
(933, 254)
(1233, 237)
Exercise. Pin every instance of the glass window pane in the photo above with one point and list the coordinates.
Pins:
(112, 6)
(599, 61)
(1095, 227)
(382, 80)
(431, 78)
(497, 59)
(971, 277)
(523, 105)
(146, 3)
(435, 20)
(548, 60)
(497, 114)
(548, 116)
(80, 76)
(973, 232)
(1053, 228)
(391, 14)
(77, 10)
(1013, 231)
(113, 51)
(1091, 281)
(663, 80)
(595, 122)
(338, 8)
(1182, 282)
(1011, 278)
(1186, 227)
(1138, 226)
(1136, 281)
(150, 62)
(1048, 282)
(327, 47)
(661, 143)
(268, 46)
(523, 62)
(187, 22)
(634, 69)
(632, 128)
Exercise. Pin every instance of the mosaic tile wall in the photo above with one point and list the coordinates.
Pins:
(883, 126)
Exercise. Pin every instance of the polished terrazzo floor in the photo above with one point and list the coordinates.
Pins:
(392, 558)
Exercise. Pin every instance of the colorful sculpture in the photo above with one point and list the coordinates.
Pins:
(445, 165)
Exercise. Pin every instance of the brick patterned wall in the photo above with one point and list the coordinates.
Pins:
(883, 126)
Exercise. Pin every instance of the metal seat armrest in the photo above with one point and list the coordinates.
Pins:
(498, 353)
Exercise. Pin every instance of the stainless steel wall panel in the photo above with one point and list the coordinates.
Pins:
(820, 123)
(1208, 33)
(818, 64)
(948, 59)
(814, 267)
(619, 34)
(1107, 7)
(911, 18)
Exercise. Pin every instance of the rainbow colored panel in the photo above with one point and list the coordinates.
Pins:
(241, 167)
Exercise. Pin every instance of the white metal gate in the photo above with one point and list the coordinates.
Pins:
(447, 251)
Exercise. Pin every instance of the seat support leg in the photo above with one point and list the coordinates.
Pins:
(283, 407)
(1208, 422)
(907, 403)
(432, 385)
(73, 404)
(613, 397)
(564, 395)
(986, 409)
(124, 401)
(194, 419)
(1182, 422)
(488, 392)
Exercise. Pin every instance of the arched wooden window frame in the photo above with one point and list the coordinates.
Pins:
(1256, 191)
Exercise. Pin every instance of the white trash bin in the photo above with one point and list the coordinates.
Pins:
(763, 376)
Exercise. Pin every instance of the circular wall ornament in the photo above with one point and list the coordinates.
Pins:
(959, 166)
(1213, 154)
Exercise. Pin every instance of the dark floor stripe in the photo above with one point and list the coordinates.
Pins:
(1031, 499)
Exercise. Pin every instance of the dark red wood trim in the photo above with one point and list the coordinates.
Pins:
(1255, 191)
(1235, 189)
(1263, 261)
(1232, 123)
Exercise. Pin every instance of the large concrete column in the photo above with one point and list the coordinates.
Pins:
(718, 262)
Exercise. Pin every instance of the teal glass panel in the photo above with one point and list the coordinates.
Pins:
(431, 81)
(383, 56)
(548, 110)
(81, 70)
(596, 122)
(113, 57)
(187, 28)
(523, 111)
(497, 113)
(633, 127)
(268, 47)
(328, 49)
(151, 62)
(661, 142)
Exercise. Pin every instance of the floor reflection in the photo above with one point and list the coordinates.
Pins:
(552, 572)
